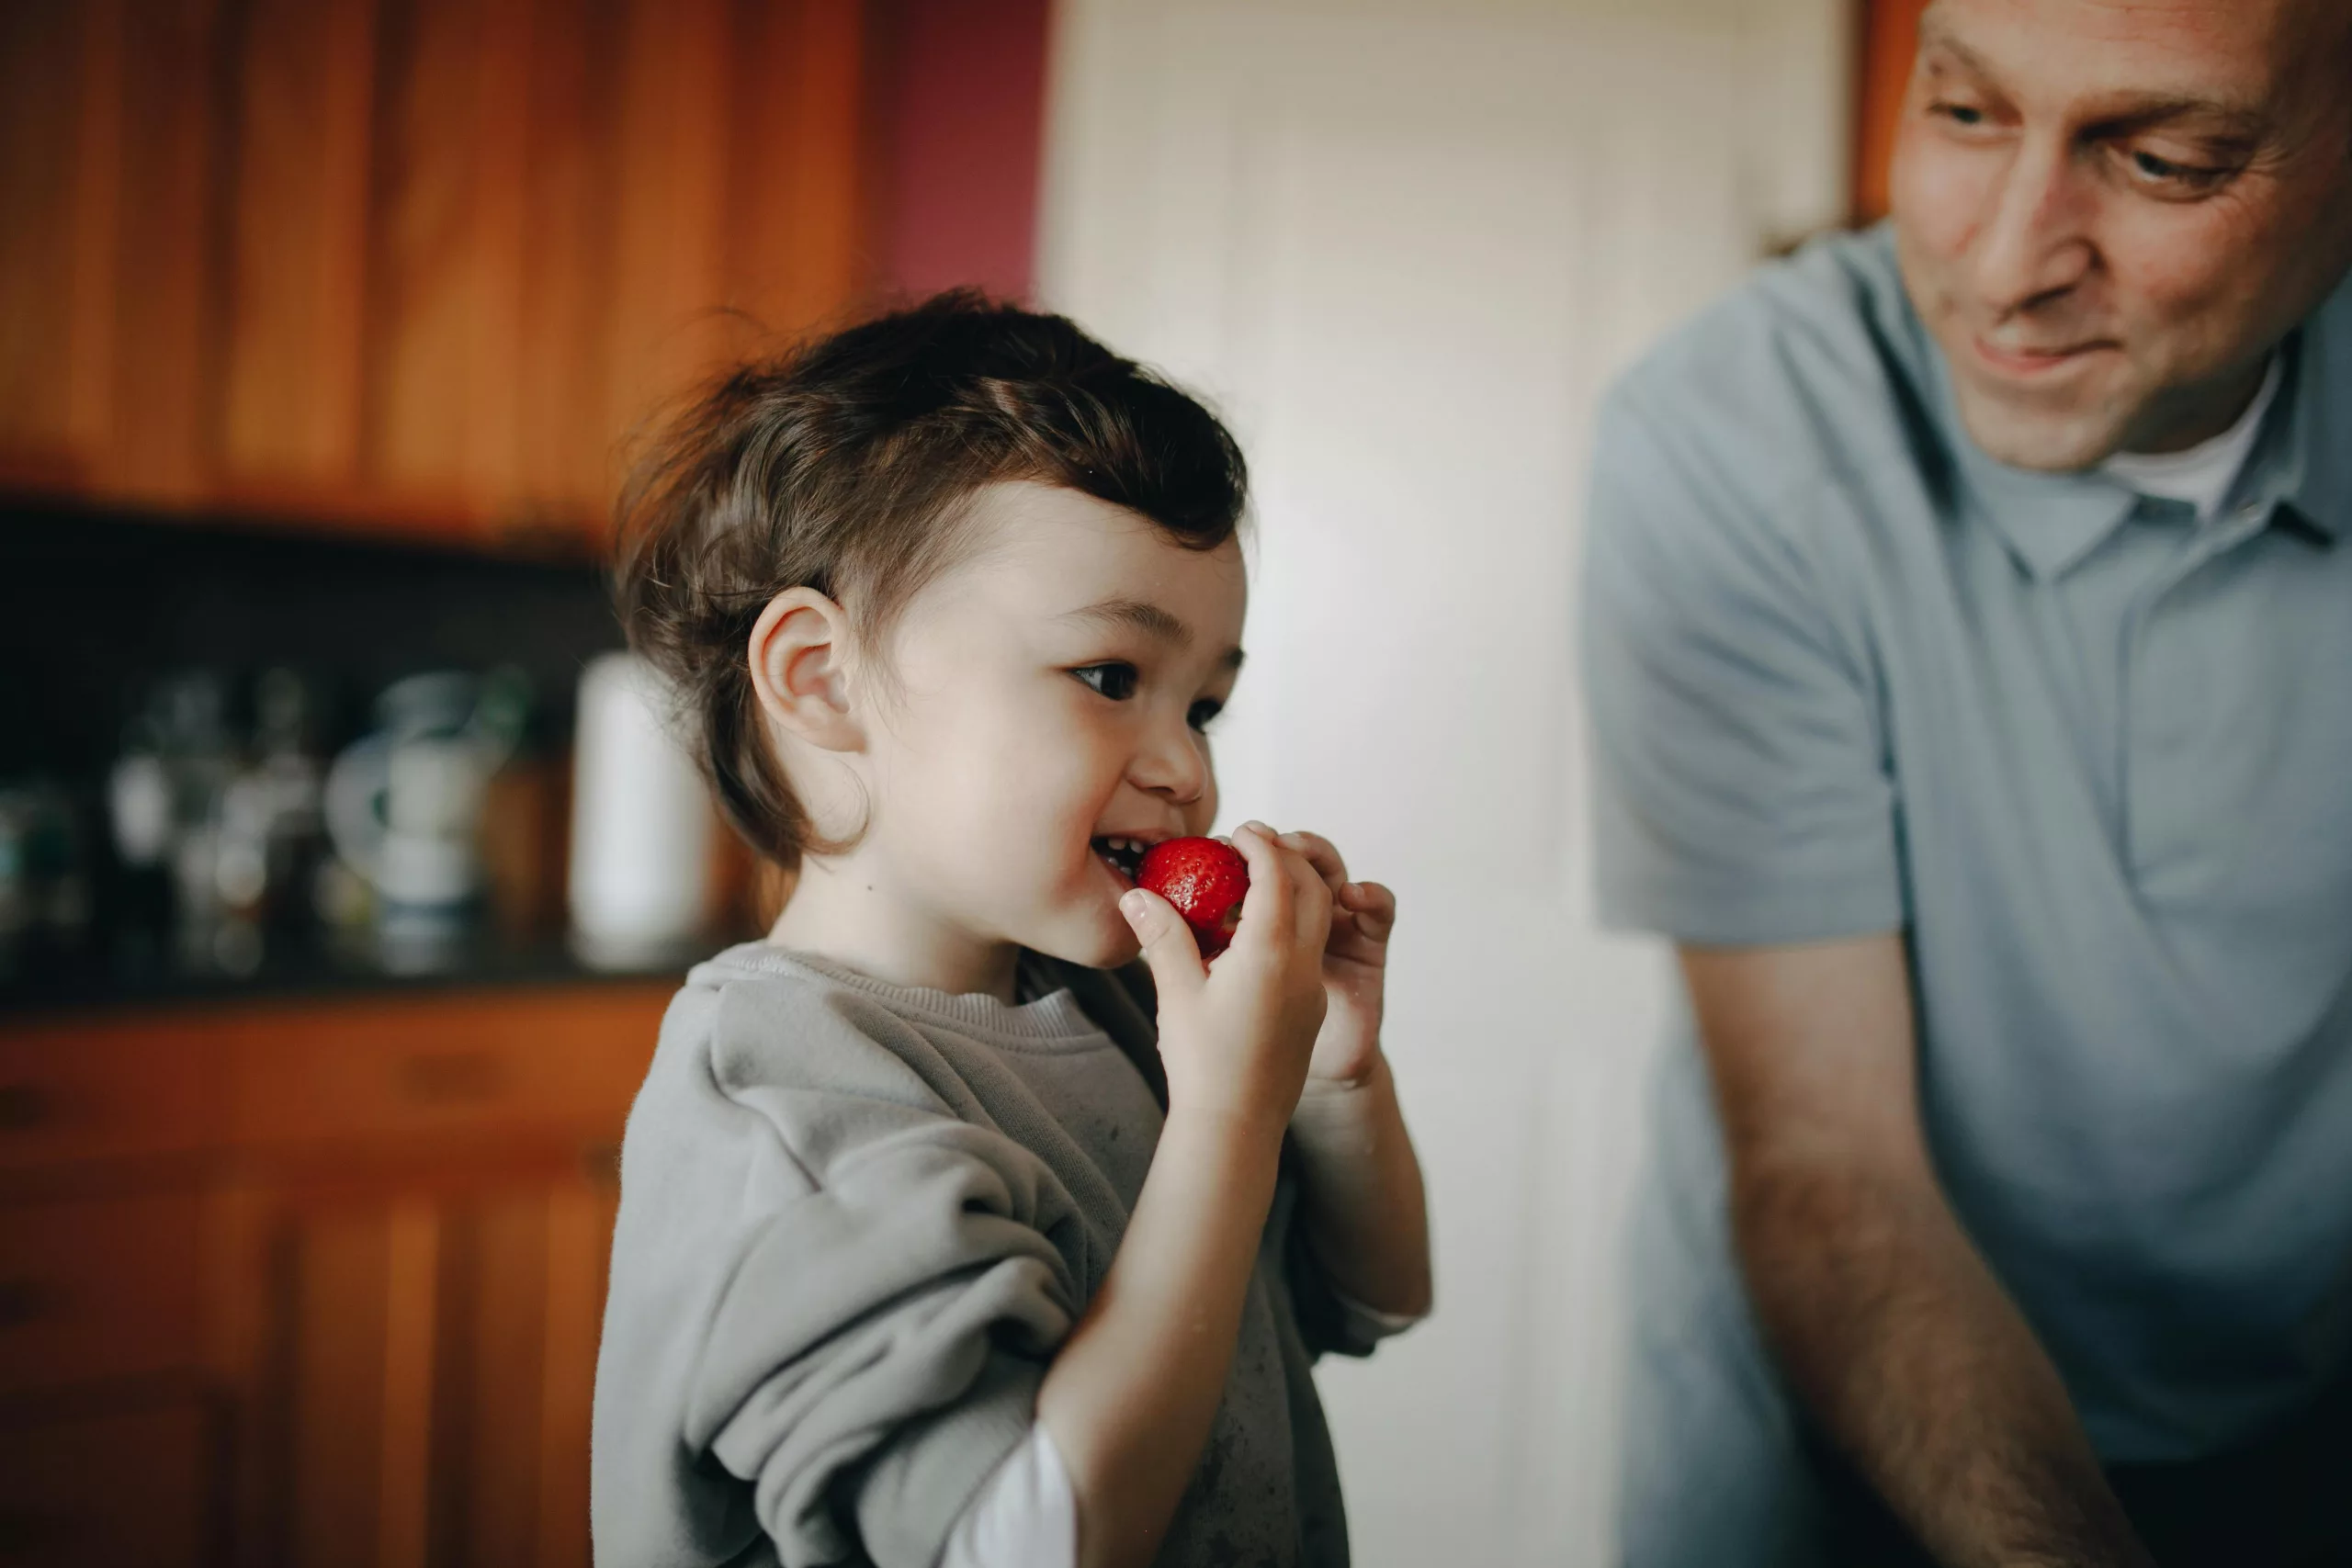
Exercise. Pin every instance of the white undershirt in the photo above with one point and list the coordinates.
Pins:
(2204, 475)
(1025, 1517)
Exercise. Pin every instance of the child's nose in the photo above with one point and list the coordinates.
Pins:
(1173, 763)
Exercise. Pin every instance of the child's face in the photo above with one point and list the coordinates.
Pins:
(1049, 692)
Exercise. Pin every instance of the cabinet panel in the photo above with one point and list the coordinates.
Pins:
(449, 219)
(93, 1290)
(112, 139)
(333, 1274)
(669, 243)
(299, 230)
(81, 1092)
(65, 1498)
(444, 1066)
(412, 264)
(174, 145)
(380, 1269)
(428, 1397)
(56, 121)
(1890, 41)
(563, 341)
(793, 259)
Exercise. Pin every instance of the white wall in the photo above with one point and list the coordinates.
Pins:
(1403, 244)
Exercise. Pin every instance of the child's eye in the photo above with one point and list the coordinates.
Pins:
(1114, 680)
(1202, 712)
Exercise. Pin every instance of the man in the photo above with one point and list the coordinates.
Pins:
(1969, 638)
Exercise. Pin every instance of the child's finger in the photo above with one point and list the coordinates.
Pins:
(1312, 903)
(1169, 946)
(1374, 906)
(1321, 854)
(1267, 909)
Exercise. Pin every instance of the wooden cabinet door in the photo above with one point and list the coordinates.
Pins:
(417, 264)
(1890, 38)
(43, 212)
(98, 1289)
(107, 120)
(419, 1355)
(128, 1488)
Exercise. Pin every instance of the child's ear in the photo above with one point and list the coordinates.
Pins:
(800, 655)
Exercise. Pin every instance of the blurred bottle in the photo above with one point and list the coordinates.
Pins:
(141, 818)
(270, 826)
(165, 796)
(44, 872)
(640, 821)
(211, 829)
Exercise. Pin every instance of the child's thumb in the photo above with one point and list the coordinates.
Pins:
(1169, 946)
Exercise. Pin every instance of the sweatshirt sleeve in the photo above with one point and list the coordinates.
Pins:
(1330, 1322)
(825, 1284)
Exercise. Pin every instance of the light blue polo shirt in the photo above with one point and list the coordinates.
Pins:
(1848, 674)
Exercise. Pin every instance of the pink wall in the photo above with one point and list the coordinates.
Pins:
(962, 86)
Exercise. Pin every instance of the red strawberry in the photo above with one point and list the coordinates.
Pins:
(1205, 879)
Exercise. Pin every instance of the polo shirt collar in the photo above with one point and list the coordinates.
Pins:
(2304, 462)
(2049, 522)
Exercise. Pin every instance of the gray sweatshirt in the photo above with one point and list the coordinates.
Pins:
(855, 1222)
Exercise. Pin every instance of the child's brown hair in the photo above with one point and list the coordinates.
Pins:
(842, 467)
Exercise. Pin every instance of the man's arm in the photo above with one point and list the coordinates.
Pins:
(1882, 1314)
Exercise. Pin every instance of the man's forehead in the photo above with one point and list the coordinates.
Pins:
(2231, 51)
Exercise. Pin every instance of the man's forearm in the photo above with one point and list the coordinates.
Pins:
(1922, 1370)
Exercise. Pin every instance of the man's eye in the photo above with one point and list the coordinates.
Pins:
(1959, 114)
(2153, 170)
(1202, 712)
(1115, 680)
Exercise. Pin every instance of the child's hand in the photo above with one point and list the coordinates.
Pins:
(1235, 1041)
(1355, 964)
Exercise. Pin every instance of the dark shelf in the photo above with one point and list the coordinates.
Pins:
(144, 969)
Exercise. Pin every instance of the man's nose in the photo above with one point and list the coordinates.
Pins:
(1173, 761)
(2036, 241)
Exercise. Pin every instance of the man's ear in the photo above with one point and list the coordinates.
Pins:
(800, 655)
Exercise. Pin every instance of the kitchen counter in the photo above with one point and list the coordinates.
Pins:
(141, 968)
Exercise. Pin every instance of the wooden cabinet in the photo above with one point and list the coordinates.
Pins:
(96, 1290)
(328, 1278)
(127, 1488)
(1890, 38)
(409, 264)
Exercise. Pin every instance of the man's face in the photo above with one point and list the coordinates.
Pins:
(2108, 212)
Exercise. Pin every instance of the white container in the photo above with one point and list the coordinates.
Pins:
(640, 821)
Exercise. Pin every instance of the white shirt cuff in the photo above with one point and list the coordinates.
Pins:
(1370, 1323)
(1025, 1515)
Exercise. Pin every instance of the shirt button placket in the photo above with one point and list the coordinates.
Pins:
(2164, 695)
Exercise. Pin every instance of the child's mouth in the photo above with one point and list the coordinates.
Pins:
(1124, 856)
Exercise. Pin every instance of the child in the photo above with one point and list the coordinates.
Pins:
(933, 1249)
